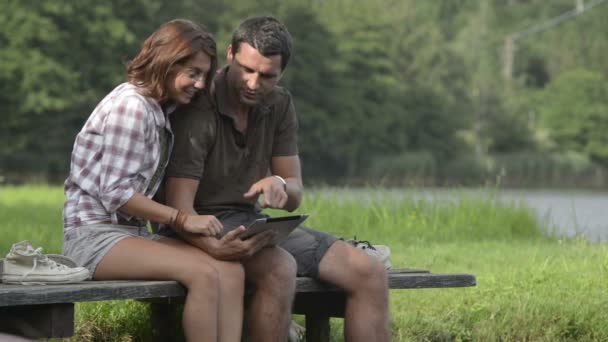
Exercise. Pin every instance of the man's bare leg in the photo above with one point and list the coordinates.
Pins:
(273, 273)
(135, 258)
(365, 282)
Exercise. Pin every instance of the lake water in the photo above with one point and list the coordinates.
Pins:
(567, 213)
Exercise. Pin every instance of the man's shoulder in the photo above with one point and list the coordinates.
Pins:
(198, 116)
(200, 109)
(278, 96)
(202, 102)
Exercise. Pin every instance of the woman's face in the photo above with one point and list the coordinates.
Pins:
(189, 79)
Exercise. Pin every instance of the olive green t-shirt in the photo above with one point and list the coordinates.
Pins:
(226, 162)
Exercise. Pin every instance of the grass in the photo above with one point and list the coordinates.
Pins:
(531, 287)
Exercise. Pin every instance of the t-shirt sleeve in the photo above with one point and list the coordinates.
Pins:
(286, 134)
(194, 128)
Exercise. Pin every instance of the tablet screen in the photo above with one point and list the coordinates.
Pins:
(282, 226)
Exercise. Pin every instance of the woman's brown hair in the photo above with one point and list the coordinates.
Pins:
(173, 43)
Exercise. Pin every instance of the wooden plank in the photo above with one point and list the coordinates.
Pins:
(53, 314)
(430, 281)
(11, 295)
(88, 291)
(399, 281)
(406, 270)
(36, 321)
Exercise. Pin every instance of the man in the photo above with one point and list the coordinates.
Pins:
(238, 153)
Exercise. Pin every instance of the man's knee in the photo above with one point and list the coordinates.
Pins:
(352, 269)
(272, 267)
(282, 267)
(367, 267)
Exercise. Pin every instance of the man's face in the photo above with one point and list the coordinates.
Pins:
(252, 75)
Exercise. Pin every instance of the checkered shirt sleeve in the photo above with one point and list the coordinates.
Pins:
(124, 149)
(114, 156)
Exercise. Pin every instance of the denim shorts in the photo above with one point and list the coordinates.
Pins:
(87, 245)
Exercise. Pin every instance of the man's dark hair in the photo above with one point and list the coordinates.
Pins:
(265, 34)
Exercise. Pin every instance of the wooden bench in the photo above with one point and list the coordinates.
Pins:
(48, 310)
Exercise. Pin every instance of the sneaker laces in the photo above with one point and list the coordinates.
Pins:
(356, 243)
(382, 254)
(38, 257)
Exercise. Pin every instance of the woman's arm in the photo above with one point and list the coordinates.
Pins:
(141, 206)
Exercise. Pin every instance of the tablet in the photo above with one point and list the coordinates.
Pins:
(283, 226)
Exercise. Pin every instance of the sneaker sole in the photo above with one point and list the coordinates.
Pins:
(43, 280)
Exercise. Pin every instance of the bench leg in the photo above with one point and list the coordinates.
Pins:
(38, 321)
(164, 321)
(317, 328)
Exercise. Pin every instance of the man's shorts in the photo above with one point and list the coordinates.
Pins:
(308, 246)
(87, 245)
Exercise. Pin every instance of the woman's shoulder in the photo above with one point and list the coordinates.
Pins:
(126, 100)
(127, 92)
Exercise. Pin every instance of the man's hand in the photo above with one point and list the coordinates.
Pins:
(206, 225)
(231, 247)
(273, 192)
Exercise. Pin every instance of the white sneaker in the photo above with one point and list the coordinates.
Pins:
(380, 252)
(297, 333)
(28, 266)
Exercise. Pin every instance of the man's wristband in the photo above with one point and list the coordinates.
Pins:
(282, 181)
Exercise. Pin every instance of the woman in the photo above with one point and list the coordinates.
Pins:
(117, 165)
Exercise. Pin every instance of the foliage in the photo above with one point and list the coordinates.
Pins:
(576, 113)
(371, 79)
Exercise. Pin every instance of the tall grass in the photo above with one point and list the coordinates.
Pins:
(31, 213)
(374, 214)
(530, 287)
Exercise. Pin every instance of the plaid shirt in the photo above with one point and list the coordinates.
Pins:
(115, 155)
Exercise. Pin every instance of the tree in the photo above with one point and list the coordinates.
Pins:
(575, 112)
(57, 61)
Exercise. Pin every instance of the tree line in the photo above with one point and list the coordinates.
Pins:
(407, 92)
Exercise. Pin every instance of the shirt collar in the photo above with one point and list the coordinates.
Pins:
(161, 116)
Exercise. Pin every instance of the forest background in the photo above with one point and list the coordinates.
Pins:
(426, 93)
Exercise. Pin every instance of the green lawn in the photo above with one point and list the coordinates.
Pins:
(530, 287)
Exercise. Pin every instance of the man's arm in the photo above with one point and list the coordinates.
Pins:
(180, 194)
(276, 195)
(289, 169)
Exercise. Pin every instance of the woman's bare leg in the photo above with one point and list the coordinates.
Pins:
(135, 258)
(232, 288)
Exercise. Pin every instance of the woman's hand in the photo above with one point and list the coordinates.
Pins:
(206, 225)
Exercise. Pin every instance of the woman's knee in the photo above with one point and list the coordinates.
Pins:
(199, 274)
(232, 275)
(234, 270)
